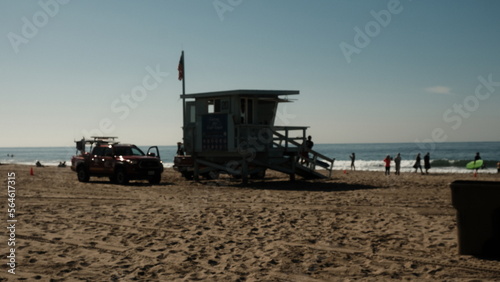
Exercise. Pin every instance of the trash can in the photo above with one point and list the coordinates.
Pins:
(478, 217)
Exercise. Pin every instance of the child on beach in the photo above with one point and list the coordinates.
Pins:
(387, 162)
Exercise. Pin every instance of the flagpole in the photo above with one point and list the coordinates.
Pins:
(183, 89)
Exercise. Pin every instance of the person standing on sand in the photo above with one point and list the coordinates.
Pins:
(306, 147)
(353, 158)
(427, 163)
(417, 164)
(387, 162)
(397, 163)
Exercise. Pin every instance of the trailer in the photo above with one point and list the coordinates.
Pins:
(234, 132)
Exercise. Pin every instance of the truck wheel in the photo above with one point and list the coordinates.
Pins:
(121, 177)
(211, 175)
(258, 175)
(83, 175)
(188, 175)
(155, 180)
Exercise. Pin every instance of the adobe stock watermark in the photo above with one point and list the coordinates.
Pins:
(31, 26)
(223, 6)
(455, 115)
(363, 37)
(123, 105)
(284, 116)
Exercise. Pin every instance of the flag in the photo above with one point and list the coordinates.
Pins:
(180, 68)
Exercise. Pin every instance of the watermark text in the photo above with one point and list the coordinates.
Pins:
(31, 26)
(11, 222)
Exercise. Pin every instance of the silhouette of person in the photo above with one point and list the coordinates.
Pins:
(397, 162)
(308, 144)
(353, 158)
(39, 164)
(476, 158)
(427, 163)
(417, 164)
(180, 149)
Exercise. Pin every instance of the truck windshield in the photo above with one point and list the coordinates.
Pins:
(128, 151)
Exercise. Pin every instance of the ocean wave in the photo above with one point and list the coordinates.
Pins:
(461, 163)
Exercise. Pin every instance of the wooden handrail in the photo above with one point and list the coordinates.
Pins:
(314, 153)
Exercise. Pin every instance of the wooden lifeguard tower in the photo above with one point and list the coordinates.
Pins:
(233, 132)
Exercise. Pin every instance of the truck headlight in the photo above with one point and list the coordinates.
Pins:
(132, 162)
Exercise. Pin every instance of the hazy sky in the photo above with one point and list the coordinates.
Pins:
(368, 71)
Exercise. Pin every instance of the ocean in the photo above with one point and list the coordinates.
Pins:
(445, 157)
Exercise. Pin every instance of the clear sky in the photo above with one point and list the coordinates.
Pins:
(368, 71)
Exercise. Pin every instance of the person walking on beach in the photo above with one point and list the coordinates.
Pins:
(387, 162)
(397, 164)
(353, 158)
(427, 163)
(417, 164)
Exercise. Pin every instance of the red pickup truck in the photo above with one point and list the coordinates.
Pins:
(119, 162)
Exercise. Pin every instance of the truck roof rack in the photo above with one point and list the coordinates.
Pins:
(99, 140)
(103, 139)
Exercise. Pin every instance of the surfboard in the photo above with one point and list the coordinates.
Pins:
(474, 165)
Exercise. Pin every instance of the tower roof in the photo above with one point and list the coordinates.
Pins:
(242, 92)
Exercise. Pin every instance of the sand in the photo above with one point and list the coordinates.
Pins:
(355, 226)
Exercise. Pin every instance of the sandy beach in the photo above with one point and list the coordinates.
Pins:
(355, 226)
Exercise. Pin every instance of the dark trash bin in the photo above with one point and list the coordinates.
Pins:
(478, 217)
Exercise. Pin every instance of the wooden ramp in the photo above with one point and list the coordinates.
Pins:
(308, 173)
(287, 156)
(307, 170)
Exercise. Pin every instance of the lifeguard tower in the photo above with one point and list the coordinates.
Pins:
(233, 132)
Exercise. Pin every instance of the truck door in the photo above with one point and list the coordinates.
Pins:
(102, 160)
(95, 162)
(153, 151)
(107, 161)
